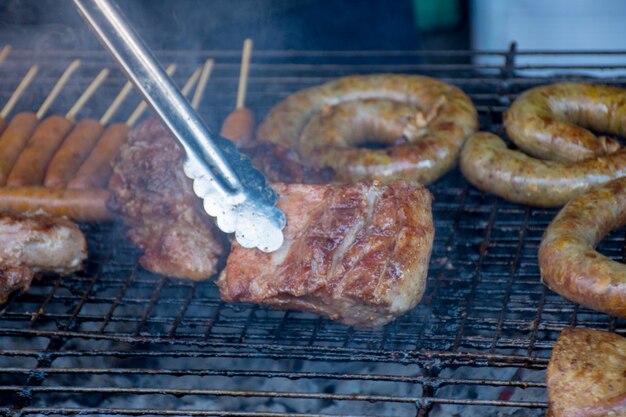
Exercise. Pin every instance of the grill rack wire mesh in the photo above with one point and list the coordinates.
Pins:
(118, 340)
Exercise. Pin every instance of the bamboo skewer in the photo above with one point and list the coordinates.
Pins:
(171, 69)
(97, 82)
(4, 53)
(117, 102)
(239, 125)
(243, 74)
(191, 82)
(22, 86)
(57, 88)
(204, 79)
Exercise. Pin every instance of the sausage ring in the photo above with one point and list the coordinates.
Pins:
(549, 122)
(568, 261)
(420, 121)
(489, 165)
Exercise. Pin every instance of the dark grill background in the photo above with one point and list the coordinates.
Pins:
(117, 340)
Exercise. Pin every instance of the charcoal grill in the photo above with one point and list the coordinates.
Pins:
(118, 340)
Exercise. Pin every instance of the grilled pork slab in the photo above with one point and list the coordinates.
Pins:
(37, 244)
(155, 199)
(357, 253)
(587, 374)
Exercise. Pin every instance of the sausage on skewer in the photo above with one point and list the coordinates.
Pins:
(95, 170)
(15, 134)
(239, 125)
(73, 152)
(30, 167)
(13, 140)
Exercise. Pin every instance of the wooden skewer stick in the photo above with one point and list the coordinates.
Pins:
(204, 79)
(57, 88)
(239, 124)
(193, 78)
(97, 82)
(171, 69)
(23, 85)
(4, 53)
(117, 102)
(243, 74)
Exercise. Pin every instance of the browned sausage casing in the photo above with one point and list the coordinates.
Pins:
(13, 140)
(550, 122)
(239, 126)
(30, 167)
(81, 205)
(586, 376)
(569, 263)
(3, 125)
(96, 169)
(72, 153)
(434, 120)
(489, 165)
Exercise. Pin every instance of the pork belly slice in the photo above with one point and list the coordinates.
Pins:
(357, 253)
(587, 374)
(37, 244)
(156, 201)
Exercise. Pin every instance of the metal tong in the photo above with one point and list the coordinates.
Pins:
(232, 191)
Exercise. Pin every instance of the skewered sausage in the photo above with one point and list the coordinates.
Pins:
(431, 118)
(13, 140)
(549, 122)
(30, 167)
(85, 205)
(72, 153)
(239, 126)
(96, 169)
(568, 261)
(490, 166)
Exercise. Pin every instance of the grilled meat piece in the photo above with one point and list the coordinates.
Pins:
(37, 244)
(587, 374)
(156, 200)
(356, 253)
(13, 278)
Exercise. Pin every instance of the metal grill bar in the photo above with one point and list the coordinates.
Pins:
(117, 340)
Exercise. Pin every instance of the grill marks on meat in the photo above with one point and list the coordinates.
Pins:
(586, 375)
(155, 198)
(356, 253)
(37, 244)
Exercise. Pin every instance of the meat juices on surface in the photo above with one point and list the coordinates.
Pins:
(586, 376)
(156, 200)
(356, 253)
(37, 244)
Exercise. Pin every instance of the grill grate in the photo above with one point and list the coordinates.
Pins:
(117, 340)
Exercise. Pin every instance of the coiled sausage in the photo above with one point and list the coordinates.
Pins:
(422, 121)
(550, 121)
(568, 261)
(489, 165)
